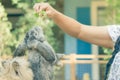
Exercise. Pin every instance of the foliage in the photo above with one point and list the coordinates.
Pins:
(11, 36)
(113, 11)
(6, 38)
(28, 20)
(112, 16)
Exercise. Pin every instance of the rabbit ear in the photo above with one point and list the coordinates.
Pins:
(15, 65)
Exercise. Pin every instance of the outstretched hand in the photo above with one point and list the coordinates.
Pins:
(50, 11)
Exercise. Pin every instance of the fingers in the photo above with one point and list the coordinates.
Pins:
(36, 7)
(40, 6)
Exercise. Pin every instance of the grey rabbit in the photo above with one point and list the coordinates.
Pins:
(41, 55)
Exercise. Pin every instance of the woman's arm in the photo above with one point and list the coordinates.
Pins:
(93, 34)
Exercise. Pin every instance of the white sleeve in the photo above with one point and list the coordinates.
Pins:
(114, 31)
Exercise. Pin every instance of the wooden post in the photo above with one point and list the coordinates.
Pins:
(73, 66)
(72, 60)
(86, 76)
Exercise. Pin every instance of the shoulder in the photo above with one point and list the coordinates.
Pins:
(114, 31)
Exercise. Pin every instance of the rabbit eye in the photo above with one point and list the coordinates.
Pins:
(36, 34)
(31, 33)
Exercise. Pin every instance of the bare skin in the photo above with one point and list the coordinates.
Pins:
(92, 34)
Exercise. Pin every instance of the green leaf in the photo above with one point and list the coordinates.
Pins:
(36, 15)
(41, 14)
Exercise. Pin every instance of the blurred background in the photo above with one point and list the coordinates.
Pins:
(18, 16)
